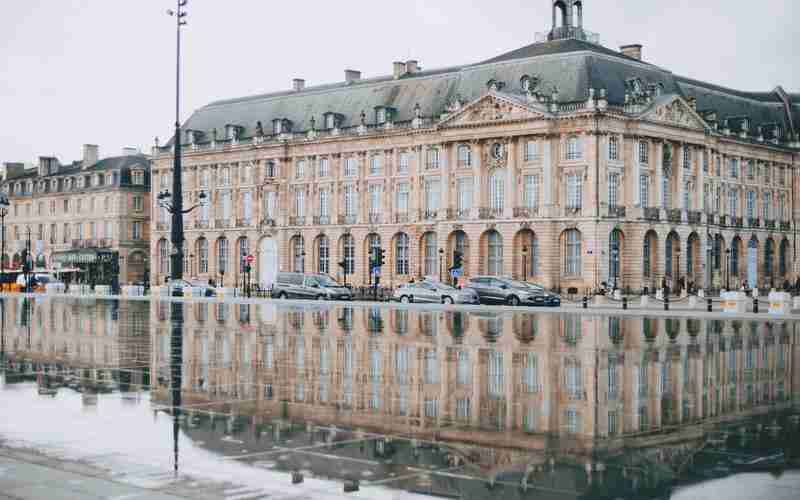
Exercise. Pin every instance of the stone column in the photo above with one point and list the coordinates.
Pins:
(637, 174)
(680, 176)
(478, 193)
(511, 179)
(448, 165)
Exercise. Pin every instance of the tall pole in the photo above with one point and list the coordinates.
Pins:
(176, 358)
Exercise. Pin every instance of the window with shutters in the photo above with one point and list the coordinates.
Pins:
(733, 202)
(530, 195)
(402, 164)
(324, 202)
(375, 165)
(531, 151)
(401, 255)
(432, 158)
(572, 261)
(751, 204)
(613, 148)
(464, 194)
(375, 198)
(402, 198)
(497, 187)
(613, 189)
(300, 169)
(767, 205)
(464, 156)
(644, 153)
(432, 195)
(574, 148)
(300, 203)
(574, 191)
(350, 201)
(644, 190)
(350, 167)
(324, 167)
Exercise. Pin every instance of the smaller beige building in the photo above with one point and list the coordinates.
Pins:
(90, 215)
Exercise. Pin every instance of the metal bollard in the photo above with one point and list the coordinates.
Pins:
(755, 305)
(666, 302)
(624, 303)
(709, 303)
(585, 302)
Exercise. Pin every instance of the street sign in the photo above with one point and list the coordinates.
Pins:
(376, 271)
(250, 259)
(456, 273)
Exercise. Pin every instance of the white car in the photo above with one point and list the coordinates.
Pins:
(434, 292)
(184, 285)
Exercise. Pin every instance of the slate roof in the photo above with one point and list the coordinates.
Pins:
(111, 163)
(572, 66)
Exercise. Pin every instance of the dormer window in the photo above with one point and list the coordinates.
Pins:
(380, 115)
(525, 83)
(330, 121)
(574, 150)
(232, 132)
(137, 178)
(281, 126)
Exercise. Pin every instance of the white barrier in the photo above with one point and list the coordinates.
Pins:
(692, 302)
(701, 294)
(796, 303)
(617, 294)
(600, 300)
(734, 302)
(80, 290)
(645, 301)
(779, 303)
(226, 292)
(102, 290)
(56, 288)
(132, 291)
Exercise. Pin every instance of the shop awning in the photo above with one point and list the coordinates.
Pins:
(84, 256)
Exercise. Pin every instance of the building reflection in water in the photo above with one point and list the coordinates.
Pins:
(506, 392)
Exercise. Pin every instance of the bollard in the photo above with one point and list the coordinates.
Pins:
(755, 305)
(585, 302)
(710, 304)
(666, 302)
(624, 303)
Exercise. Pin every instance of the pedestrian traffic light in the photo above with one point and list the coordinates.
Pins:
(381, 257)
(343, 265)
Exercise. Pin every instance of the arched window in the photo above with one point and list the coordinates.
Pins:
(401, 254)
(783, 257)
(494, 253)
(647, 257)
(163, 257)
(429, 244)
(202, 256)
(349, 252)
(574, 150)
(769, 255)
(323, 255)
(572, 254)
(222, 255)
(497, 186)
(298, 254)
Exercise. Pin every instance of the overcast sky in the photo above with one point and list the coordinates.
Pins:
(102, 71)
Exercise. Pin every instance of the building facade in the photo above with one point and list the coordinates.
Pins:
(562, 162)
(89, 218)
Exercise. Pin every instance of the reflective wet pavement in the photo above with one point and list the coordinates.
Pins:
(400, 402)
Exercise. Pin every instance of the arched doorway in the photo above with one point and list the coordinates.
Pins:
(526, 254)
(693, 261)
(735, 263)
(649, 259)
(372, 244)
(429, 250)
(716, 261)
(458, 242)
(268, 262)
(672, 251)
(615, 240)
(783, 259)
(769, 262)
(492, 251)
(752, 262)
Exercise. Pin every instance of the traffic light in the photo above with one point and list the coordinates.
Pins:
(381, 257)
(458, 260)
(343, 265)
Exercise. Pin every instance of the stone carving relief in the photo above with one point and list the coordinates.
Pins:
(676, 113)
(489, 109)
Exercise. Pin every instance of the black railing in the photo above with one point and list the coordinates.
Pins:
(652, 213)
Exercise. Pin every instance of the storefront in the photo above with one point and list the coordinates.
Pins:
(88, 266)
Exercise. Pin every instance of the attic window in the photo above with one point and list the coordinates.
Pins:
(277, 127)
(137, 177)
(525, 83)
(330, 121)
(380, 115)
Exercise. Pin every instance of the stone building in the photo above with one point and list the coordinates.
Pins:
(562, 162)
(91, 215)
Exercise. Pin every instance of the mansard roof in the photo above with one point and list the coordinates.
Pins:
(74, 168)
(569, 65)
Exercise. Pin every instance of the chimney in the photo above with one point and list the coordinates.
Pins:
(351, 75)
(634, 51)
(398, 69)
(412, 66)
(90, 155)
(130, 151)
(298, 84)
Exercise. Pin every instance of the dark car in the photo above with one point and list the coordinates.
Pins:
(309, 286)
(497, 290)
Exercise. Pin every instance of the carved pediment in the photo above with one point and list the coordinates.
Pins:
(492, 107)
(677, 112)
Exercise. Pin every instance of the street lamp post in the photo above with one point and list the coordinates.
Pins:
(441, 265)
(524, 263)
(4, 204)
(728, 269)
(177, 211)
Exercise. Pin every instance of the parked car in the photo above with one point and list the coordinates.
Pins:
(183, 285)
(309, 286)
(430, 291)
(36, 280)
(497, 290)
